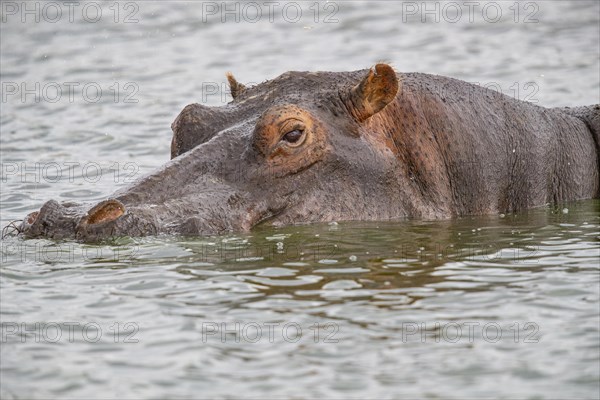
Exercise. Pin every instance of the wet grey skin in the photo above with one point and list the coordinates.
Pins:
(337, 146)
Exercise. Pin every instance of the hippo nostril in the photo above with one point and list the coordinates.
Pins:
(106, 211)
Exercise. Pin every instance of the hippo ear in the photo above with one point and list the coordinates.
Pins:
(374, 92)
(234, 86)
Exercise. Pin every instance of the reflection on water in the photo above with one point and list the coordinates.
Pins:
(499, 306)
(348, 309)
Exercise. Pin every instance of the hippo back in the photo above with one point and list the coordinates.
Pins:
(590, 115)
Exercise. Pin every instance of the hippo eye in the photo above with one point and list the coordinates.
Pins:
(293, 137)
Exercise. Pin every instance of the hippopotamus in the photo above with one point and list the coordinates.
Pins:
(372, 144)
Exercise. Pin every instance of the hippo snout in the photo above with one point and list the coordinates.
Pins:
(51, 220)
(61, 220)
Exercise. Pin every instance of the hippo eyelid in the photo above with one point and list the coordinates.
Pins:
(291, 124)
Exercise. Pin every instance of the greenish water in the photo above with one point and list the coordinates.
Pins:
(503, 307)
(482, 307)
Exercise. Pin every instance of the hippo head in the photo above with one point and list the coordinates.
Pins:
(300, 148)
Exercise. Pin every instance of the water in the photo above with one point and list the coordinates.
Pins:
(497, 306)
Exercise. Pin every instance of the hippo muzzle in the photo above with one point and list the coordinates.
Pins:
(70, 220)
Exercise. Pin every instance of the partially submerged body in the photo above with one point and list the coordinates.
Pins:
(364, 145)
